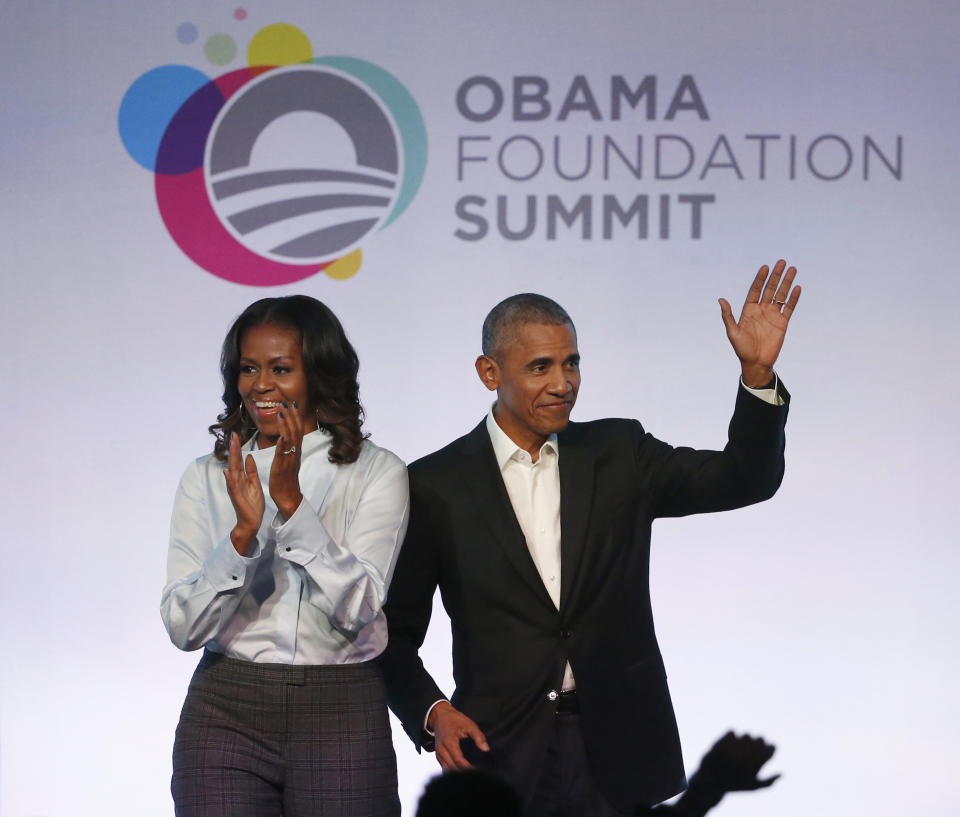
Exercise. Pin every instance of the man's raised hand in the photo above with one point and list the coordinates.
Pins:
(757, 336)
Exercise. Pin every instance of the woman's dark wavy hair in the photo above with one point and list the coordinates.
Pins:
(331, 367)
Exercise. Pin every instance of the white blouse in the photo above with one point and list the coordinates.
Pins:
(312, 589)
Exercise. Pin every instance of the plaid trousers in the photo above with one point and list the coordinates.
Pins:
(265, 740)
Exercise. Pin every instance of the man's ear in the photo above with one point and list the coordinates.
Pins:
(488, 371)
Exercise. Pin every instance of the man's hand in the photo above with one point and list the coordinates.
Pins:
(450, 726)
(758, 336)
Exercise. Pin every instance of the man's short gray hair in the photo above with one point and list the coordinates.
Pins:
(503, 321)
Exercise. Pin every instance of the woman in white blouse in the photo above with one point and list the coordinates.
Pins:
(282, 545)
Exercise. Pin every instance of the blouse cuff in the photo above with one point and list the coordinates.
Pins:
(226, 569)
(302, 537)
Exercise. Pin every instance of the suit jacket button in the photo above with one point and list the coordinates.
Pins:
(552, 695)
(565, 634)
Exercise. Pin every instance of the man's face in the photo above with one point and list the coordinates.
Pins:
(536, 378)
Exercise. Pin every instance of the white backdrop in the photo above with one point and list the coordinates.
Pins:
(824, 619)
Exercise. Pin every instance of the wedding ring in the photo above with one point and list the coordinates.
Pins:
(290, 451)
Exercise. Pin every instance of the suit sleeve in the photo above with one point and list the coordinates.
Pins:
(749, 469)
(411, 691)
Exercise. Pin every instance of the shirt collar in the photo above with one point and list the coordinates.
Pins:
(505, 449)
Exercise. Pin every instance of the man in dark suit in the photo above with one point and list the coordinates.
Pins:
(537, 532)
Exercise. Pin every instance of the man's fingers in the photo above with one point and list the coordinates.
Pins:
(784, 288)
(791, 302)
(474, 733)
(451, 727)
(726, 312)
(467, 728)
(450, 757)
(770, 288)
(769, 781)
(753, 294)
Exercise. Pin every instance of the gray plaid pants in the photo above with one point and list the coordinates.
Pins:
(264, 740)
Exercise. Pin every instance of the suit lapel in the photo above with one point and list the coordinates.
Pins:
(576, 499)
(479, 472)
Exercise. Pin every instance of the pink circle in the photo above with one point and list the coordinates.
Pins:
(192, 223)
(240, 14)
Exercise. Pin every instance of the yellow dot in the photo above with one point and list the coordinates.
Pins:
(279, 44)
(345, 267)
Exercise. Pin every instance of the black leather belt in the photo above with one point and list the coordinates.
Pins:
(568, 703)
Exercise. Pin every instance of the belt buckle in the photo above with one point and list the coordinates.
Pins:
(567, 703)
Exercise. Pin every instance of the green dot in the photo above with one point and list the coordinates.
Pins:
(220, 49)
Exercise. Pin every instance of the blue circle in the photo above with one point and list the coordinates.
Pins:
(150, 104)
(187, 33)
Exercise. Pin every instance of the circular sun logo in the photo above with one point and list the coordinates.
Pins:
(268, 174)
(301, 164)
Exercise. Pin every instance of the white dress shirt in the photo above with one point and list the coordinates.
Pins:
(534, 491)
(312, 588)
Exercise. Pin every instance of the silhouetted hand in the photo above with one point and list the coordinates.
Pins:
(732, 764)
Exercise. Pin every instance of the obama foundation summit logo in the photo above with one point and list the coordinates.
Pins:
(268, 174)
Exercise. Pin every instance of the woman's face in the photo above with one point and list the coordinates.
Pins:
(271, 372)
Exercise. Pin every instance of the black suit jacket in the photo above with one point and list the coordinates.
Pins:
(510, 643)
